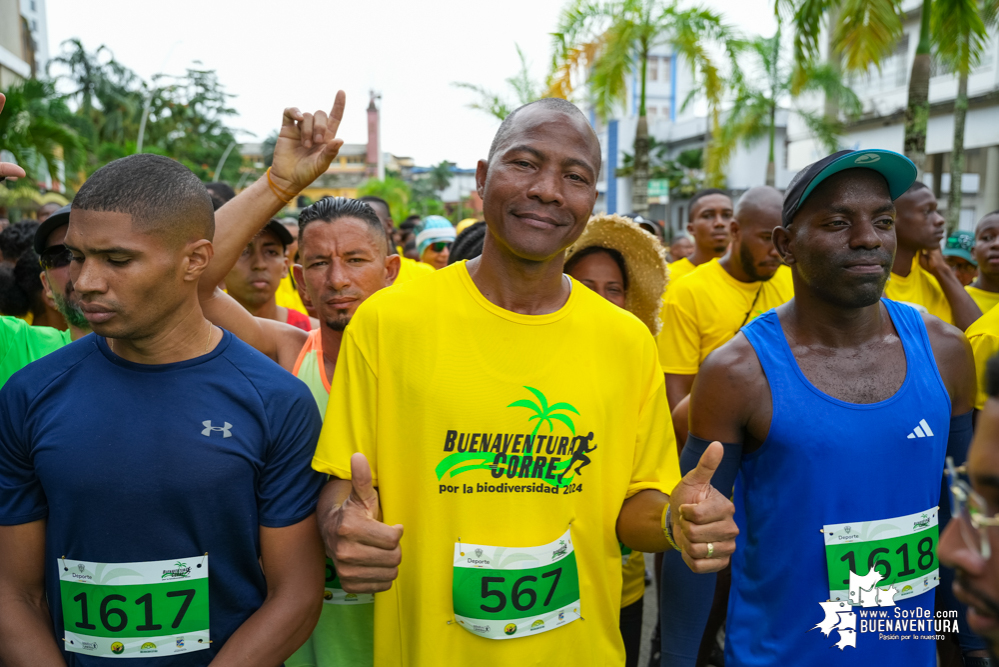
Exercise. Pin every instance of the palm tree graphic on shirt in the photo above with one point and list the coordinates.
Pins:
(544, 413)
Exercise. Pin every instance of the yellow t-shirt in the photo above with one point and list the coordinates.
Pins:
(985, 300)
(920, 290)
(705, 309)
(983, 335)
(288, 297)
(633, 572)
(679, 269)
(442, 390)
(410, 269)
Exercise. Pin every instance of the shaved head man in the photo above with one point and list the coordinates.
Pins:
(707, 307)
(430, 367)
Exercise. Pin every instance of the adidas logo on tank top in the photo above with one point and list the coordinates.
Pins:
(922, 430)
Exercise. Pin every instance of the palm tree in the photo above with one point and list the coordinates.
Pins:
(440, 176)
(395, 191)
(612, 40)
(545, 413)
(37, 128)
(525, 90)
(964, 25)
(107, 93)
(760, 93)
(866, 33)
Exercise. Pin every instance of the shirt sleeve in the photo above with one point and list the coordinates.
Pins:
(984, 346)
(352, 412)
(656, 464)
(288, 489)
(680, 338)
(22, 498)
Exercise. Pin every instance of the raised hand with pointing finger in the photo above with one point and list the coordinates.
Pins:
(366, 551)
(703, 523)
(306, 145)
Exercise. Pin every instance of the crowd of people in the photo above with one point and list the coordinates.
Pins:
(233, 438)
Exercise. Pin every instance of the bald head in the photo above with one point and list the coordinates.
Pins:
(550, 105)
(759, 208)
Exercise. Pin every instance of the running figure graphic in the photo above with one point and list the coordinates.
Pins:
(579, 455)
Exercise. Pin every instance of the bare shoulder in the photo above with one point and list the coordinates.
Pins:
(955, 361)
(733, 364)
(288, 341)
(730, 394)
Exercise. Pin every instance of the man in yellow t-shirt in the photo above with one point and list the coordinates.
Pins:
(984, 338)
(516, 457)
(710, 214)
(707, 308)
(985, 289)
(920, 277)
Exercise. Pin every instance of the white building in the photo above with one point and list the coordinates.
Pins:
(669, 83)
(37, 22)
(884, 96)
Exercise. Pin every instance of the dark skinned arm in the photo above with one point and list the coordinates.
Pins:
(962, 306)
(677, 388)
(26, 637)
(292, 560)
(956, 363)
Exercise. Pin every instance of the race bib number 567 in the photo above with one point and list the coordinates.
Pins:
(135, 610)
(513, 592)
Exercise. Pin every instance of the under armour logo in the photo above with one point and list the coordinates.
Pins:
(209, 428)
(867, 158)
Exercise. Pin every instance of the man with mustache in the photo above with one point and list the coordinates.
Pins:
(815, 401)
(969, 543)
(437, 402)
(920, 275)
(707, 307)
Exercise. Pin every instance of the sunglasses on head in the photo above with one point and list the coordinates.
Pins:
(55, 257)
(440, 245)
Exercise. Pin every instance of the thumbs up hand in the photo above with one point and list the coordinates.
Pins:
(703, 519)
(365, 550)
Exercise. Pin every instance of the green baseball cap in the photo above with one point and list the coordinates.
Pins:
(897, 170)
(960, 244)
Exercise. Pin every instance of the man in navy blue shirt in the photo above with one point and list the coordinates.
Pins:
(156, 495)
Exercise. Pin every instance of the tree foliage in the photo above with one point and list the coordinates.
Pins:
(97, 118)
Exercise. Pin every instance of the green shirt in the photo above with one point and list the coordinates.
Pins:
(21, 343)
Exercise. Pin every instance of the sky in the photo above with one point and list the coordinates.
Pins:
(271, 55)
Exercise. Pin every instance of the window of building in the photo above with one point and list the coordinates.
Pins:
(666, 64)
(652, 111)
(34, 7)
(653, 68)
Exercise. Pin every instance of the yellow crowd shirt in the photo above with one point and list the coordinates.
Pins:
(983, 335)
(677, 270)
(487, 427)
(410, 269)
(985, 300)
(705, 309)
(287, 295)
(920, 290)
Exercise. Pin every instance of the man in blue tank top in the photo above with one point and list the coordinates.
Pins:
(837, 410)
